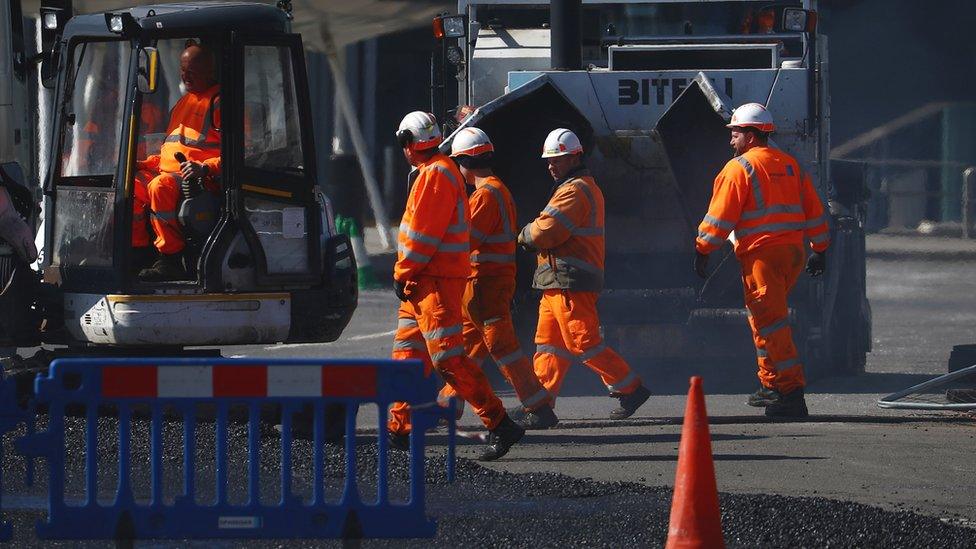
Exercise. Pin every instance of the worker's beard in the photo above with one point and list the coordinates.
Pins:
(183, 89)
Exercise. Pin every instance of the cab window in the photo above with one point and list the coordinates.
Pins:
(92, 126)
(272, 134)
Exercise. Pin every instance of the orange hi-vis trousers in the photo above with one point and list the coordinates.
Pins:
(161, 194)
(429, 329)
(569, 327)
(488, 330)
(768, 275)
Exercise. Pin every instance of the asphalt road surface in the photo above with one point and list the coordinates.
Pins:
(851, 475)
(848, 449)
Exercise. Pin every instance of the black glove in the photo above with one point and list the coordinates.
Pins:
(525, 245)
(816, 263)
(400, 289)
(189, 186)
(701, 264)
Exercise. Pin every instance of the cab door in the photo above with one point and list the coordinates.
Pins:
(273, 160)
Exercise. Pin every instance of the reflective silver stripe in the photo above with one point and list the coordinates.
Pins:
(762, 353)
(579, 263)
(815, 222)
(823, 237)
(441, 333)
(771, 228)
(475, 233)
(412, 255)
(509, 227)
(499, 238)
(589, 197)
(774, 327)
(720, 223)
(446, 172)
(774, 209)
(510, 358)
(553, 350)
(527, 235)
(593, 351)
(462, 223)
(418, 236)
(754, 181)
(560, 217)
(492, 320)
(201, 142)
(453, 247)
(479, 257)
(714, 240)
(536, 398)
(623, 383)
(406, 323)
(176, 138)
(450, 353)
(406, 344)
(163, 216)
(788, 363)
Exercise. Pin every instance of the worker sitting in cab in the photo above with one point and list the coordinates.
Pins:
(191, 151)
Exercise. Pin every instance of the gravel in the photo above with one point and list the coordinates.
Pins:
(483, 507)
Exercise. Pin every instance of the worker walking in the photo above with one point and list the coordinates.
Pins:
(568, 235)
(429, 278)
(194, 133)
(771, 204)
(487, 327)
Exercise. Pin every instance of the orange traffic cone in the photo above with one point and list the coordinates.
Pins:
(695, 519)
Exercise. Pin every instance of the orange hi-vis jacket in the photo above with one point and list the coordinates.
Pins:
(765, 197)
(193, 131)
(569, 236)
(434, 234)
(492, 230)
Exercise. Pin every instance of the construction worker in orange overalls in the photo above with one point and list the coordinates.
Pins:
(487, 326)
(193, 131)
(766, 198)
(429, 278)
(568, 235)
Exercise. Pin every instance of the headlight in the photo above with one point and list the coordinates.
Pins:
(449, 26)
(115, 24)
(454, 26)
(50, 20)
(795, 20)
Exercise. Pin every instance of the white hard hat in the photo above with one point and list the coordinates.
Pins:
(752, 115)
(561, 142)
(471, 142)
(420, 129)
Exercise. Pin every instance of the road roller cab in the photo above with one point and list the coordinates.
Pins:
(262, 259)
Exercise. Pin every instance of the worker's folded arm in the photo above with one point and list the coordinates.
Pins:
(567, 210)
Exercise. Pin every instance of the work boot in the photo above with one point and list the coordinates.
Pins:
(542, 418)
(501, 439)
(791, 404)
(166, 267)
(630, 403)
(764, 397)
(398, 441)
(516, 413)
